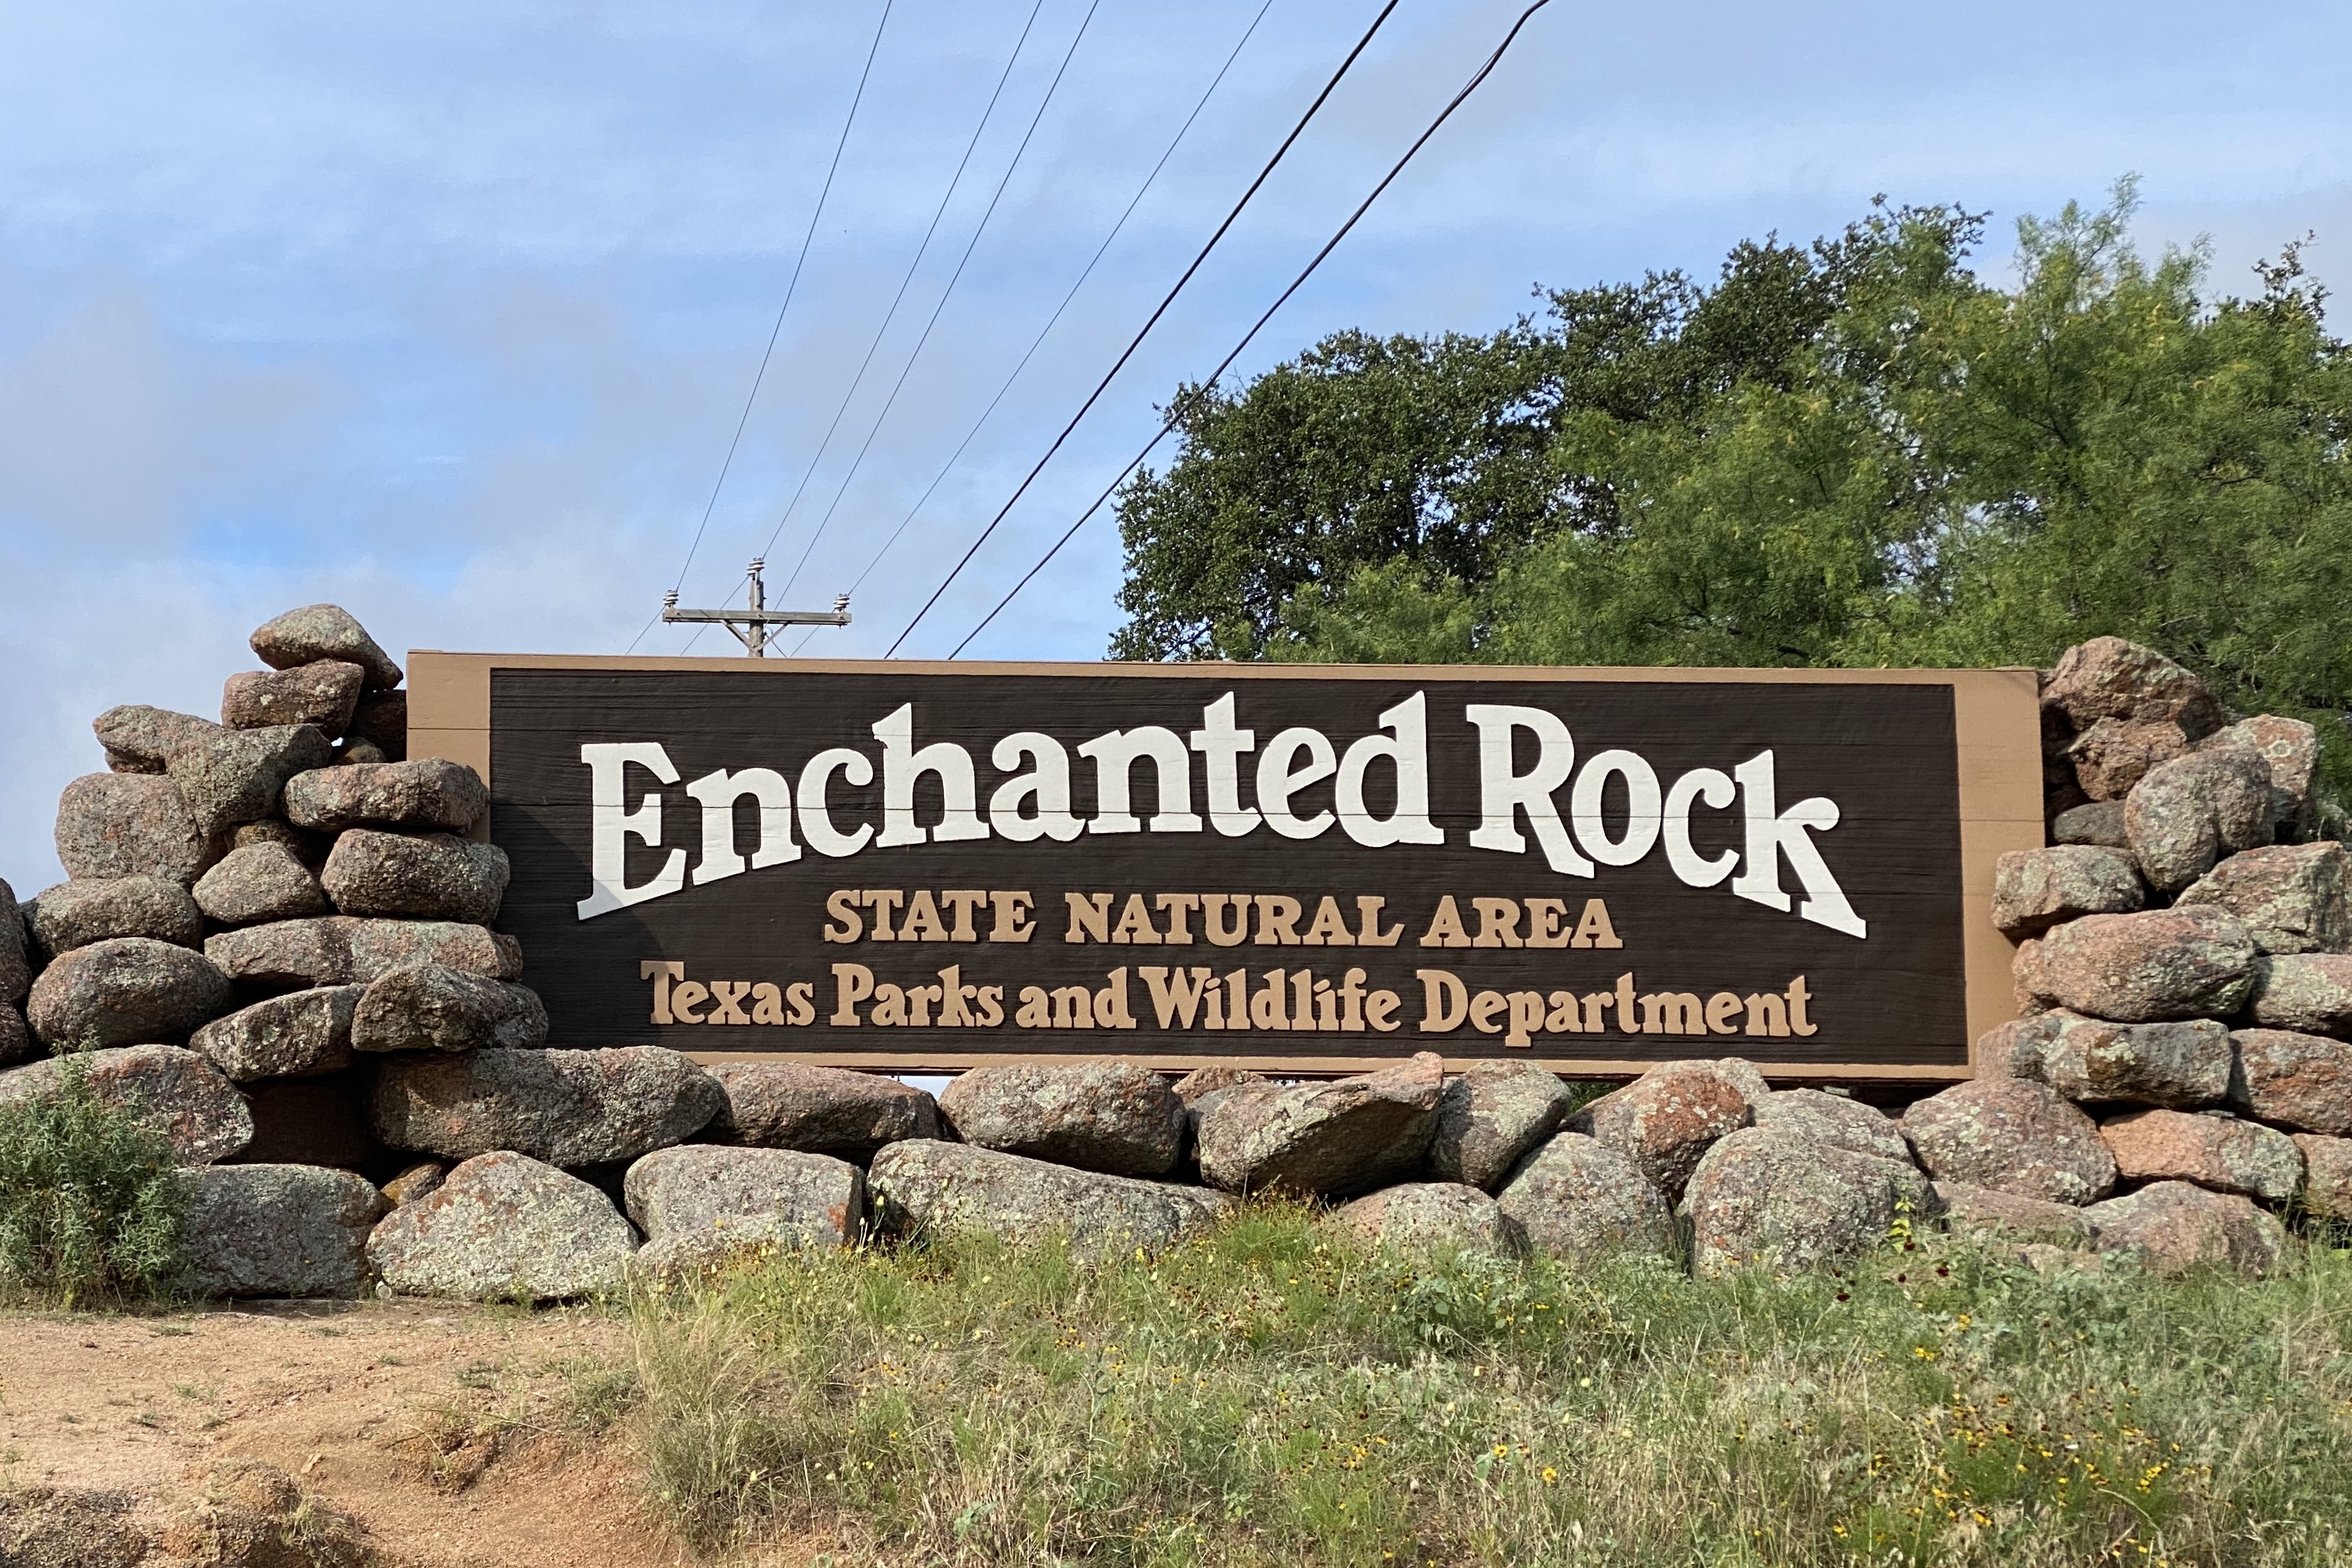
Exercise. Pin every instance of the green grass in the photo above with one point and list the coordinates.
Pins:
(90, 1201)
(1270, 1394)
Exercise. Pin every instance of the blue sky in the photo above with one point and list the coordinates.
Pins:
(447, 313)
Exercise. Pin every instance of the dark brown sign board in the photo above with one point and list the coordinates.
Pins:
(1297, 869)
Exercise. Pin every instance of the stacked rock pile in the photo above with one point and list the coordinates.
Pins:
(254, 908)
(276, 941)
(2184, 967)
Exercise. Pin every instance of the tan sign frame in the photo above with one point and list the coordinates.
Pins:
(1997, 733)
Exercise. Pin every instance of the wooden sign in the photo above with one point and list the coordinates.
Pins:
(930, 867)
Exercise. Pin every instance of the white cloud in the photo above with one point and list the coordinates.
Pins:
(446, 311)
(114, 431)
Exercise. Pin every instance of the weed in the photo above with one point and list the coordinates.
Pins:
(90, 1200)
(596, 1395)
(452, 1444)
(505, 1407)
(1270, 1392)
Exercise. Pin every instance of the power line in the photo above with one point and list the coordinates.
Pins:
(954, 278)
(843, 140)
(1263, 176)
(904, 283)
(1035, 343)
(1468, 88)
(1072, 531)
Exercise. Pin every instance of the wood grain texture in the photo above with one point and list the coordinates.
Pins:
(1935, 773)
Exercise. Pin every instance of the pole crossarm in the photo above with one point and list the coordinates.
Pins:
(761, 618)
(750, 624)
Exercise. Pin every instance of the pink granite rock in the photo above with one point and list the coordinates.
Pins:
(2034, 890)
(2099, 822)
(2297, 1080)
(1990, 1213)
(1107, 1116)
(2010, 1049)
(2220, 1153)
(2012, 1136)
(176, 1091)
(2327, 1176)
(1331, 1139)
(2293, 898)
(2190, 815)
(1820, 1117)
(2142, 968)
(2172, 1226)
(125, 990)
(130, 825)
(323, 694)
(2310, 992)
(1490, 1116)
(2114, 754)
(2184, 1064)
(1572, 1198)
(316, 633)
(1765, 1196)
(1667, 1119)
(2290, 749)
(1429, 1214)
(817, 1110)
(2109, 677)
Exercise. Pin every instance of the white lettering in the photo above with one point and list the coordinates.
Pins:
(1714, 787)
(1278, 781)
(816, 816)
(1772, 834)
(1641, 809)
(1115, 756)
(1407, 746)
(1222, 745)
(902, 764)
(1032, 802)
(1503, 795)
(718, 793)
(1049, 783)
(610, 828)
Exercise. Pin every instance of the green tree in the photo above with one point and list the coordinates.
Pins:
(1459, 452)
(1857, 453)
(2140, 462)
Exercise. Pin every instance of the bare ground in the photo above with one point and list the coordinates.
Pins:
(453, 1433)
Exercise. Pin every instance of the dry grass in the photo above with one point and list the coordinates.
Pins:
(502, 1406)
(1270, 1394)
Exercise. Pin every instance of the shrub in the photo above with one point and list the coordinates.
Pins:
(90, 1199)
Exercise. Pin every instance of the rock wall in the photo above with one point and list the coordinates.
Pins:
(2184, 968)
(276, 941)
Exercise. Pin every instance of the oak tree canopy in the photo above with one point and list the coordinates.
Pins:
(1855, 452)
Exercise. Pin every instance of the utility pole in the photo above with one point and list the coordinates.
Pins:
(750, 625)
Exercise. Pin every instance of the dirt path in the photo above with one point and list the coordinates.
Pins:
(453, 1433)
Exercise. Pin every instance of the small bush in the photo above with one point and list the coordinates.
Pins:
(90, 1200)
